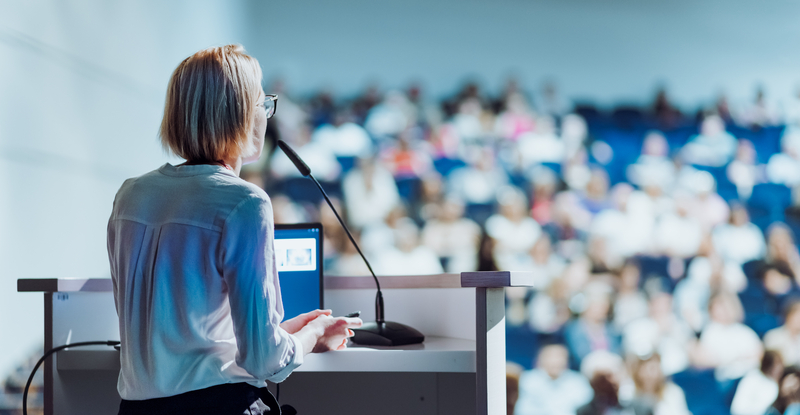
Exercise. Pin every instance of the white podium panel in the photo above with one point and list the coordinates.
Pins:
(459, 369)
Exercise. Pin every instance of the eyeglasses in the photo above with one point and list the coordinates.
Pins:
(270, 105)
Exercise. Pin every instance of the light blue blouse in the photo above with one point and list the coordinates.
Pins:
(195, 283)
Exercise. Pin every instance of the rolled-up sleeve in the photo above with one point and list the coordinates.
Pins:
(265, 350)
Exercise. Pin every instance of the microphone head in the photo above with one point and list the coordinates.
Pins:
(298, 162)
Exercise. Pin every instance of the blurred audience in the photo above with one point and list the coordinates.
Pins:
(639, 227)
(654, 393)
(758, 389)
(552, 388)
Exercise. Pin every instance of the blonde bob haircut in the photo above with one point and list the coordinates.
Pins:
(209, 112)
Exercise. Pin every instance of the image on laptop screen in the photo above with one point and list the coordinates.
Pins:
(298, 253)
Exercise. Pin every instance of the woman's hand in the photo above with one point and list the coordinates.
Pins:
(326, 333)
(293, 325)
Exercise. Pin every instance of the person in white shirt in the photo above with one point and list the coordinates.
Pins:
(784, 167)
(370, 193)
(192, 259)
(453, 237)
(713, 147)
(678, 234)
(326, 167)
(727, 345)
(512, 229)
(653, 167)
(758, 389)
(786, 338)
(739, 240)
(661, 332)
(551, 388)
(654, 392)
(407, 256)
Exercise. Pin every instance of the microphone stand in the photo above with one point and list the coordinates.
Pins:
(379, 295)
(380, 332)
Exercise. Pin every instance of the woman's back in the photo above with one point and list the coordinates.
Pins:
(194, 276)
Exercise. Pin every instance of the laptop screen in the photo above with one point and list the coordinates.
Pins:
(298, 253)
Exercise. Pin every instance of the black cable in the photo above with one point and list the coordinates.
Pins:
(50, 352)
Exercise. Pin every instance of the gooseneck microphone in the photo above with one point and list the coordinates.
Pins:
(380, 332)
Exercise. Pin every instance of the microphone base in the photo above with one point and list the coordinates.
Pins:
(387, 333)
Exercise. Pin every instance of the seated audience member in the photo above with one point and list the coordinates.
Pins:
(758, 389)
(706, 274)
(286, 211)
(370, 193)
(739, 240)
(654, 394)
(713, 147)
(552, 388)
(707, 206)
(788, 402)
(568, 228)
(348, 263)
(407, 257)
(516, 119)
(786, 338)
(544, 190)
(548, 310)
(573, 133)
(545, 264)
(431, 196)
(759, 113)
(766, 299)
(607, 378)
(393, 115)
(629, 226)
(678, 234)
(727, 345)
(784, 167)
(453, 237)
(542, 145)
(591, 331)
(478, 182)
(405, 159)
(343, 138)
(576, 172)
(653, 167)
(468, 122)
(629, 303)
(595, 197)
(380, 236)
(781, 248)
(661, 332)
(513, 372)
(325, 165)
(743, 171)
(513, 231)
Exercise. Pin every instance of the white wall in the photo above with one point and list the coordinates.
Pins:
(82, 86)
(608, 50)
(81, 95)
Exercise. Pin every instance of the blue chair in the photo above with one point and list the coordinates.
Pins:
(445, 166)
(409, 189)
(703, 396)
(479, 212)
(767, 142)
(655, 267)
(303, 190)
(522, 345)
(768, 203)
(346, 163)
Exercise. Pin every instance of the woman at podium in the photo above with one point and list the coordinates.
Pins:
(193, 262)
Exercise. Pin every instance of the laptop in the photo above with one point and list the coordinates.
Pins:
(298, 253)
